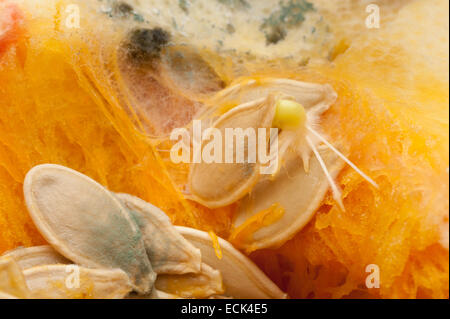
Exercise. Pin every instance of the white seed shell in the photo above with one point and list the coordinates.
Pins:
(36, 256)
(220, 184)
(206, 283)
(299, 193)
(85, 223)
(59, 282)
(4, 295)
(241, 277)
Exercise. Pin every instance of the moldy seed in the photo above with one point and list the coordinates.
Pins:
(145, 45)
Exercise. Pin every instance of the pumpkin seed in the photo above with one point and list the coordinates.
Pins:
(73, 213)
(220, 184)
(298, 192)
(54, 282)
(145, 45)
(85, 223)
(36, 256)
(12, 282)
(168, 251)
(241, 277)
(202, 285)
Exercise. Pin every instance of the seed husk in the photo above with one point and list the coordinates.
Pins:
(168, 251)
(54, 282)
(297, 192)
(206, 283)
(220, 184)
(36, 256)
(85, 223)
(310, 95)
(241, 277)
(12, 281)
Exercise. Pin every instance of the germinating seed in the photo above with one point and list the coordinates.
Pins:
(220, 184)
(298, 189)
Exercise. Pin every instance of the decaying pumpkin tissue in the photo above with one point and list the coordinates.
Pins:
(224, 149)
